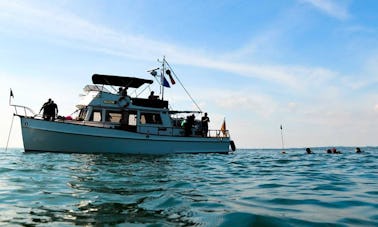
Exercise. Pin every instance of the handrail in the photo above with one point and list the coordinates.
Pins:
(218, 133)
(25, 109)
(214, 133)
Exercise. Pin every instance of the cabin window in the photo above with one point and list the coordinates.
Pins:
(150, 118)
(96, 115)
(82, 114)
(132, 118)
(128, 120)
(113, 116)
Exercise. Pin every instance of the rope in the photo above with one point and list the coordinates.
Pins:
(10, 130)
(195, 103)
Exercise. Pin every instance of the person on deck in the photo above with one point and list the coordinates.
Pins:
(50, 110)
(152, 96)
(205, 125)
(188, 125)
(46, 110)
(54, 110)
(124, 121)
(124, 92)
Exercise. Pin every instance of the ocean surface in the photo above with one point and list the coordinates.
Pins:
(250, 187)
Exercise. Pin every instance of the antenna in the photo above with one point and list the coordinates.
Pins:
(282, 140)
(162, 79)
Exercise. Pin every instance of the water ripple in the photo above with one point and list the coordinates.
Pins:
(246, 188)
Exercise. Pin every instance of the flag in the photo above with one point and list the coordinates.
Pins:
(11, 96)
(165, 82)
(168, 72)
(172, 80)
(223, 127)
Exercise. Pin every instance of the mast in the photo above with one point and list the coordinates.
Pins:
(165, 65)
(162, 79)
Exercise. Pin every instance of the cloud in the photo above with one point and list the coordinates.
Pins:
(376, 108)
(314, 102)
(57, 25)
(332, 8)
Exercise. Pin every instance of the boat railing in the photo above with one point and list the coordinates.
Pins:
(173, 131)
(23, 111)
(218, 133)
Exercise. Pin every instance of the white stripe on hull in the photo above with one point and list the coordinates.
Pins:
(39, 135)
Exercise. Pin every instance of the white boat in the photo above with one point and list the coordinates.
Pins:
(114, 122)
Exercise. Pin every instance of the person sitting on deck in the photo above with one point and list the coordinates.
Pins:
(122, 92)
(152, 96)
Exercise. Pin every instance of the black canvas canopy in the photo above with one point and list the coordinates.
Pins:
(123, 81)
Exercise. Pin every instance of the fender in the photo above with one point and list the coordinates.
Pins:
(232, 144)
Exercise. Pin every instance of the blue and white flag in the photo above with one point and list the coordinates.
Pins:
(165, 82)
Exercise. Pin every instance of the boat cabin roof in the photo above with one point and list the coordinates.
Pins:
(123, 81)
(91, 87)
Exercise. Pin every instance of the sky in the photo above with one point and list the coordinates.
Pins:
(308, 65)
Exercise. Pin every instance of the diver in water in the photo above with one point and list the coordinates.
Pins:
(358, 150)
(309, 151)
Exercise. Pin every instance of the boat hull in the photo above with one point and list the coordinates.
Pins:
(39, 135)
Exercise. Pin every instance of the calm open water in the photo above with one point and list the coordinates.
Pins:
(246, 188)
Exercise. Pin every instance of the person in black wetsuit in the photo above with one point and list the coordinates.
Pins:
(309, 151)
(205, 125)
(50, 110)
(46, 110)
(188, 125)
(54, 110)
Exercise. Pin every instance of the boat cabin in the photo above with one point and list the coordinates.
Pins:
(101, 108)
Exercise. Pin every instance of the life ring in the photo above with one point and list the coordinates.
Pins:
(232, 144)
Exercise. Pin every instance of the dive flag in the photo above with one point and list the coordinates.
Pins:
(165, 82)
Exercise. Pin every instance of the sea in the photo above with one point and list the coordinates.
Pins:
(250, 187)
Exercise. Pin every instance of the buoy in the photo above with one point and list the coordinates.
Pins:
(232, 144)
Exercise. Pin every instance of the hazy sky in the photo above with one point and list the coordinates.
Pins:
(310, 65)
